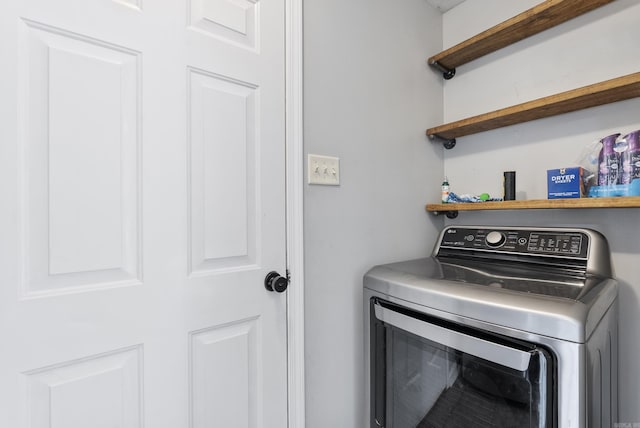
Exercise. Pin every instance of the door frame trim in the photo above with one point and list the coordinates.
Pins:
(294, 154)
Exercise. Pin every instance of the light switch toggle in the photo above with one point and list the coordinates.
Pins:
(324, 170)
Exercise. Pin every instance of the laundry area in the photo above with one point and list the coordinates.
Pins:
(319, 213)
(372, 70)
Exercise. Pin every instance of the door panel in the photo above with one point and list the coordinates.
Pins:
(233, 21)
(80, 160)
(222, 143)
(59, 394)
(142, 180)
(224, 368)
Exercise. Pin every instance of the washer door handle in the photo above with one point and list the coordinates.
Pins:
(501, 354)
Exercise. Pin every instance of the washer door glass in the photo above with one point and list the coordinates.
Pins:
(431, 373)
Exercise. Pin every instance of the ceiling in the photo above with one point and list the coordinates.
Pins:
(444, 5)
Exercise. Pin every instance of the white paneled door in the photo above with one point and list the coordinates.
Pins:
(141, 206)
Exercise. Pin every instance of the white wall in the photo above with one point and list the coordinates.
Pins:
(598, 46)
(368, 99)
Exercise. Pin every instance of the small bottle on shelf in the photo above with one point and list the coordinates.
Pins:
(445, 191)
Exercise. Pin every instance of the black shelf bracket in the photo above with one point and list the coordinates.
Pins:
(448, 143)
(447, 73)
(449, 214)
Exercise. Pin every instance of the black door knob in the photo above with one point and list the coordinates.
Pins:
(275, 282)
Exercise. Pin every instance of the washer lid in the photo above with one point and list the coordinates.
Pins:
(523, 278)
(528, 298)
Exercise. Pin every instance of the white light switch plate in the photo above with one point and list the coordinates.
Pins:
(323, 170)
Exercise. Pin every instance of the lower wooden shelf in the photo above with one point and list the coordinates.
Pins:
(535, 204)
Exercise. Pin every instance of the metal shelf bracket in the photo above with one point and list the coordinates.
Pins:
(449, 214)
(447, 73)
(446, 142)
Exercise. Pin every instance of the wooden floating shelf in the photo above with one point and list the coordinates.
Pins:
(610, 91)
(534, 204)
(535, 20)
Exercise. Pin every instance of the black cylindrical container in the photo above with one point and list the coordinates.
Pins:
(509, 186)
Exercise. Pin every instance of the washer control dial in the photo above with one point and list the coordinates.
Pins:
(495, 239)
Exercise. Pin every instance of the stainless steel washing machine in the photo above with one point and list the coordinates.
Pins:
(500, 327)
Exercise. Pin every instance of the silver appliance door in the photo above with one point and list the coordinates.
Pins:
(431, 373)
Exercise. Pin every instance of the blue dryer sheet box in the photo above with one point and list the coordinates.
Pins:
(565, 183)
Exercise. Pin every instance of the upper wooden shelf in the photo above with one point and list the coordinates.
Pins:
(606, 92)
(619, 202)
(535, 20)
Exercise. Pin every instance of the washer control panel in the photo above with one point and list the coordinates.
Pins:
(521, 241)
